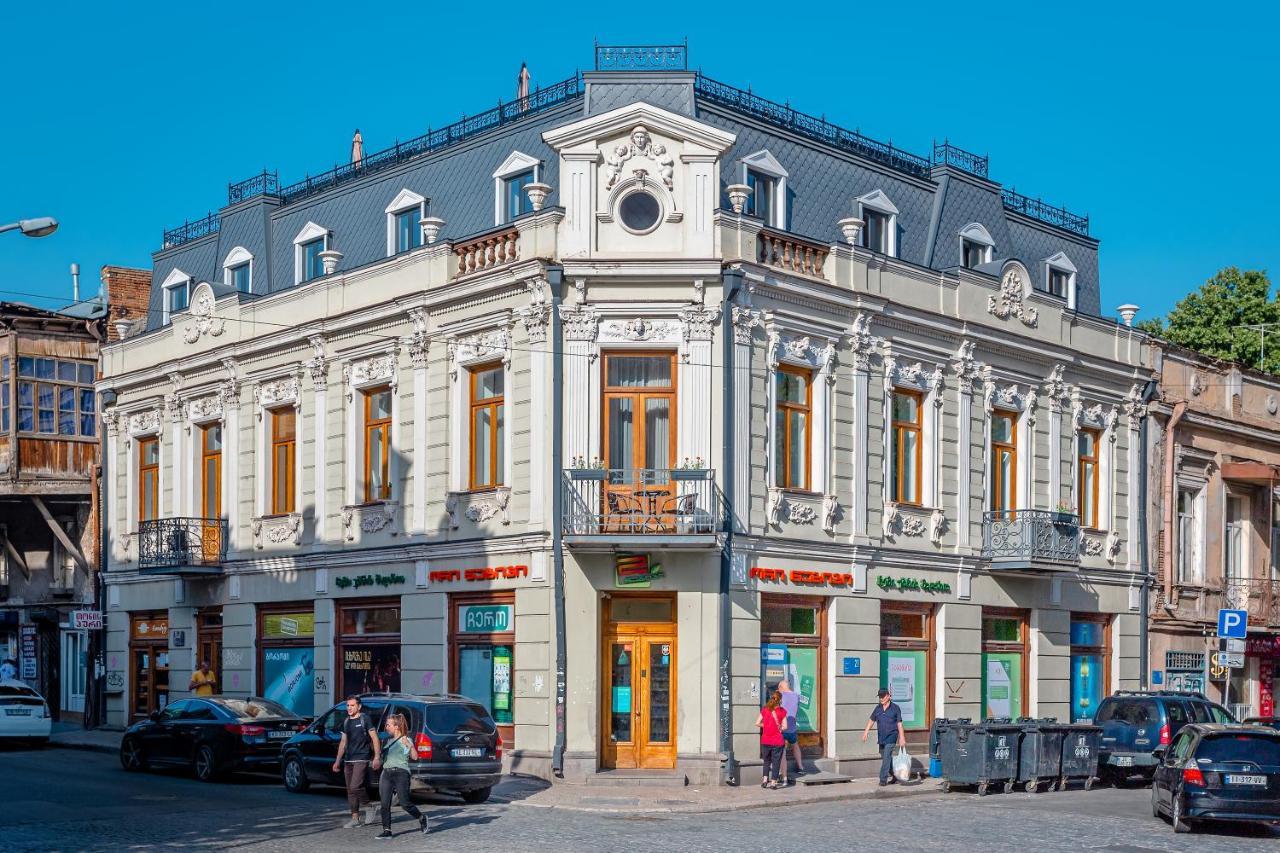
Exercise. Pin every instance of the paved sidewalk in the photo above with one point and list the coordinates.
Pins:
(71, 736)
(534, 793)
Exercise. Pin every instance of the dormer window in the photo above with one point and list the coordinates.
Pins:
(237, 270)
(310, 242)
(312, 267)
(510, 200)
(1059, 282)
(404, 222)
(975, 254)
(976, 246)
(408, 230)
(1059, 279)
(176, 288)
(768, 181)
(238, 277)
(880, 233)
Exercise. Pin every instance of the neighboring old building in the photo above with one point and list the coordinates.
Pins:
(749, 394)
(1214, 446)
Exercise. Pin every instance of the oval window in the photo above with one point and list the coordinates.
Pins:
(639, 212)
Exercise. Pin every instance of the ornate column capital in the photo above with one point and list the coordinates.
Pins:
(581, 322)
(698, 322)
(745, 320)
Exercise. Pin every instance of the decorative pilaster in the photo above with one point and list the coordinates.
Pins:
(967, 371)
(318, 369)
(1134, 411)
(537, 321)
(1055, 392)
(745, 322)
(581, 382)
(419, 346)
(862, 346)
(229, 392)
(695, 387)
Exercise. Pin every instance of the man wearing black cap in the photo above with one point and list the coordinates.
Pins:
(887, 717)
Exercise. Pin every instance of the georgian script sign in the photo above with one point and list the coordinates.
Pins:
(805, 577)
(368, 580)
(485, 618)
(492, 573)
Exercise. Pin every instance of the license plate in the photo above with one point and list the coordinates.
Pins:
(466, 752)
(282, 735)
(1237, 779)
(1122, 761)
(17, 712)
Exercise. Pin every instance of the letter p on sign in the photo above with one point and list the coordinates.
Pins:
(1233, 623)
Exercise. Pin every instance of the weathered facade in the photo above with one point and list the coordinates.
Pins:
(1215, 448)
(648, 376)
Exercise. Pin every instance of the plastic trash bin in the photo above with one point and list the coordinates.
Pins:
(980, 755)
(1080, 745)
(935, 745)
(1040, 752)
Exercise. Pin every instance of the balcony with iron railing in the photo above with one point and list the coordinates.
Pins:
(1259, 597)
(642, 506)
(182, 546)
(1031, 539)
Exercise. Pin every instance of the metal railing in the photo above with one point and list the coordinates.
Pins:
(1047, 213)
(642, 57)
(946, 154)
(781, 115)
(188, 231)
(182, 543)
(1027, 538)
(640, 501)
(1261, 598)
(268, 183)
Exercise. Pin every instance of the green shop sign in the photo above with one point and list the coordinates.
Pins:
(912, 585)
(344, 582)
(485, 618)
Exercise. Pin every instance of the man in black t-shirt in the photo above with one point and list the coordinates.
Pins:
(359, 745)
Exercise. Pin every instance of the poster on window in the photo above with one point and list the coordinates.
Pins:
(1086, 686)
(371, 669)
(1002, 685)
(289, 678)
(903, 673)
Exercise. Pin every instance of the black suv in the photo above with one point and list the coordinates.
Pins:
(459, 747)
(1138, 726)
(1219, 773)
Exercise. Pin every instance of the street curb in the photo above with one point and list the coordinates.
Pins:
(86, 747)
(834, 796)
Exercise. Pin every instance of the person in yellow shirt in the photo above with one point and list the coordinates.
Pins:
(203, 681)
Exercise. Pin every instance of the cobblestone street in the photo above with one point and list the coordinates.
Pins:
(65, 800)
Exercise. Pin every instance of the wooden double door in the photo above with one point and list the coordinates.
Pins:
(639, 681)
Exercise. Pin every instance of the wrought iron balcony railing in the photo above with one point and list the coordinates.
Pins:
(1047, 213)
(182, 545)
(1260, 597)
(267, 183)
(642, 501)
(1031, 538)
(642, 57)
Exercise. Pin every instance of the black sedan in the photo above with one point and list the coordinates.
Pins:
(212, 735)
(1219, 772)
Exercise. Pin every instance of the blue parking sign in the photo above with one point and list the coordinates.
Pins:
(1233, 623)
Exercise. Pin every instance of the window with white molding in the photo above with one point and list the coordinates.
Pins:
(1059, 278)
(307, 246)
(509, 180)
(404, 222)
(880, 223)
(1190, 534)
(176, 287)
(976, 246)
(767, 179)
(237, 270)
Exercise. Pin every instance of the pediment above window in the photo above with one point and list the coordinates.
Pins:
(176, 276)
(309, 232)
(977, 233)
(516, 162)
(877, 200)
(1060, 261)
(764, 161)
(404, 200)
(699, 136)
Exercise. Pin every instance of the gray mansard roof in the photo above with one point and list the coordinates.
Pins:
(828, 169)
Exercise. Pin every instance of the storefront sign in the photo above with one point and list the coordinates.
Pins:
(30, 652)
(635, 570)
(344, 582)
(1264, 646)
(1267, 688)
(492, 573)
(804, 577)
(485, 618)
(912, 585)
(151, 629)
(86, 620)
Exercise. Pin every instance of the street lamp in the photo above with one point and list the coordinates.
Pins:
(41, 226)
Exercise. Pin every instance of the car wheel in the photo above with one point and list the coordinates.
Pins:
(206, 764)
(477, 796)
(1180, 823)
(295, 775)
(131, 756)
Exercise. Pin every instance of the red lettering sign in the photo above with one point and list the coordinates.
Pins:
(488, 573)
(772, 575)
(801, 576)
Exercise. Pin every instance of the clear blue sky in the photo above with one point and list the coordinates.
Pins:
(1161, 124)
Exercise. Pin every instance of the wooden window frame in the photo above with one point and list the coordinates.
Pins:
(495, 405)
(1083, 462)
(206, 456)
(928, 645)
(371, 425)
(283, 483)
(264, 642)
(813, 742)
(1012, 447)
(457, 599)
(786, 481)
(899, 431)
(1022, 646)
(638, 395)
(148, 477)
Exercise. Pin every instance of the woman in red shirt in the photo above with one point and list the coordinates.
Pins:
(770, 722)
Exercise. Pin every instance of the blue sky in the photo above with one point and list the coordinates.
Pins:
(1160, 122)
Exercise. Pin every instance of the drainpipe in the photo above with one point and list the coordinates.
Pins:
(732, 284)
(1167, 552)
(1144, 558)
(96, 701)
(557, 510)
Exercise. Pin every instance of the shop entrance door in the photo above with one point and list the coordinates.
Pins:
(639, 678)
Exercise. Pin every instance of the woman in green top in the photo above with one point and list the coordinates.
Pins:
(396, 755)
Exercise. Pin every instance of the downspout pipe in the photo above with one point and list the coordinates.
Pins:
(557, 517)
(1144, 557)
(1167, 552)
(732, 284)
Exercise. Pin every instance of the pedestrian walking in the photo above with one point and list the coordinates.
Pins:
(887, 718)
(790, 731)
(203, 681)
(399, 752)
(770, 722)
(359, 745)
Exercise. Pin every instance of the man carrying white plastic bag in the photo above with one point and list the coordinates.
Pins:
(887, 718)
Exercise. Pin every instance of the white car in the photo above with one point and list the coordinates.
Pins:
(24, 715)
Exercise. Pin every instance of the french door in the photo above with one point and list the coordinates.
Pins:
(639, 438)
(211, 491)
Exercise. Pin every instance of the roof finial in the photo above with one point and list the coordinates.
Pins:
(357, 147)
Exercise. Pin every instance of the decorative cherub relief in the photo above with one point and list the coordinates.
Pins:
(640, 144)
